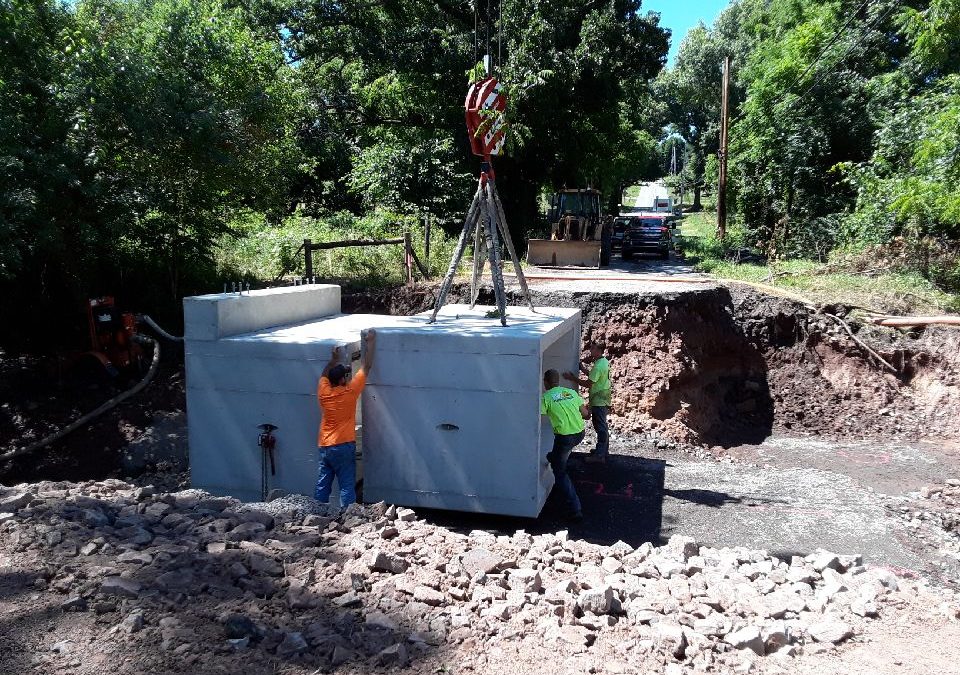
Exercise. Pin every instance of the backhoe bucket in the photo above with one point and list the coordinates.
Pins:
(554, 253)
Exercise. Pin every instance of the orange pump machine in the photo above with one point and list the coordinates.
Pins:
(112, 336)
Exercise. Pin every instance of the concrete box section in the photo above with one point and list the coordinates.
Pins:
(452, 409)
(253, 359)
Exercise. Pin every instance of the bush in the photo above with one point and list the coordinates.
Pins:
(934, 259)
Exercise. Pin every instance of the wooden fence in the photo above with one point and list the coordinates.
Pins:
(410, 258)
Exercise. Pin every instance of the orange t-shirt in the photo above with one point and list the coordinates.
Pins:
(339, 409)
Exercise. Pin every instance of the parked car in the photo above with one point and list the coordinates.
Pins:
(620, 225)
(647, 234)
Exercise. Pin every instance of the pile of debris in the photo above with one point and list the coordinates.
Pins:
(933, 515)
(132, 578)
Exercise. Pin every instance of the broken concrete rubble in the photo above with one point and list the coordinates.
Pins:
(293, 580)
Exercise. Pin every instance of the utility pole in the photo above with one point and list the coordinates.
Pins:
(683, 166)
(724, 133)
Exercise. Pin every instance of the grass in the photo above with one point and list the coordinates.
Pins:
(821, 283)
(262, 252)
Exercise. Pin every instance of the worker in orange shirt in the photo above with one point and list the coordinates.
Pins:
(337, 393)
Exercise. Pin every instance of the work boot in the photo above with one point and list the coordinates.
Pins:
(596, 459)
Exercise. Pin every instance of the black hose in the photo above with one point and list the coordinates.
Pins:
(90, 416)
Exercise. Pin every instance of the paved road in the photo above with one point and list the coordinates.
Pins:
(644, 274)
(641, 266)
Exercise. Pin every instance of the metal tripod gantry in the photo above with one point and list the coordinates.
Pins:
(485, 219)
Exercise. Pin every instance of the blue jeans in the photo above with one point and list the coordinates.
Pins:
(598, 414)
(562, 447)
(338, 461)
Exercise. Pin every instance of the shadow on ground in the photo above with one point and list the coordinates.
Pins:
(622, 501)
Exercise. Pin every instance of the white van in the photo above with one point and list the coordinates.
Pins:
(654, 197)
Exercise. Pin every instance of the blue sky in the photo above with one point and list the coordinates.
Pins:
(682, 15)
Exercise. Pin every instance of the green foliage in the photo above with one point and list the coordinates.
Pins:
(851, 281)
(37, 169)
(257, 251)
(711, 171)
(429, 165)
(579, 92)
(845, 123)
(192, 125)
(911, 185)
(144, 126)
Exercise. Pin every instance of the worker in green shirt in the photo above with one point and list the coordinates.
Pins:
(566, 411)
(597, 381)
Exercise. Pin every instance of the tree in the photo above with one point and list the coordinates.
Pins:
(806, 86)
(146, 126)
(692, 92)
(576, 78)
(37, 168)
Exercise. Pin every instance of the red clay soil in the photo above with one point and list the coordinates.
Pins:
(717, 371)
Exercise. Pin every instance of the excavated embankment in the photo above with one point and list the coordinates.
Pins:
(720, 367)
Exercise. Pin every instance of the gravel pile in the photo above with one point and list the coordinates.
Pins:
(933, 515)
(290, 507)
(136, 580)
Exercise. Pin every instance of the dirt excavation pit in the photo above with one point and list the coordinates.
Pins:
(723, 369)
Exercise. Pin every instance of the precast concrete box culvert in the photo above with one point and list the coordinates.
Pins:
(452, 409)
(450, 416)
(255, 358)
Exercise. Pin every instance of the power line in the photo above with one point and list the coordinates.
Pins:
(872, 24)
(829, 44)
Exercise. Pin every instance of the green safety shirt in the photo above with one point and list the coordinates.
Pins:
(562, 406)
(600, 383)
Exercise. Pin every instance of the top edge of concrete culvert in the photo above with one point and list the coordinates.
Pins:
(262, 292)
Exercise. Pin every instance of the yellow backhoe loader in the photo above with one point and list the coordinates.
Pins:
(579, 234)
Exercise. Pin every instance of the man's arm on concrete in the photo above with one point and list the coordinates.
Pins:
(370, 342)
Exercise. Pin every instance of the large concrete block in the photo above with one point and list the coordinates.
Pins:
(218, 315)
(265, 375)
(452, 409)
